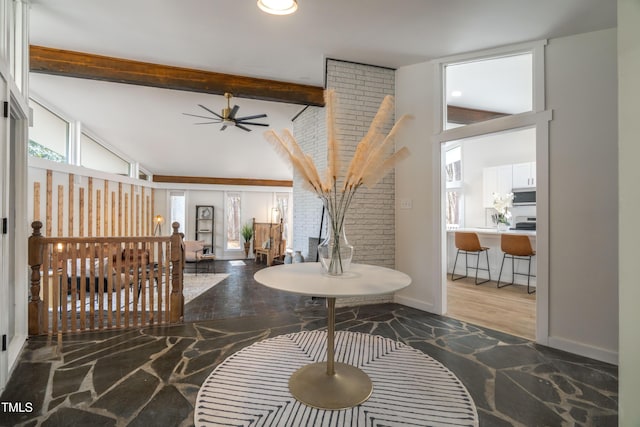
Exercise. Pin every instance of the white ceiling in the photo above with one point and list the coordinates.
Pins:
(236, 37)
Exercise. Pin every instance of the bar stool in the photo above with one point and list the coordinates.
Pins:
(468, 243)
(516, 246)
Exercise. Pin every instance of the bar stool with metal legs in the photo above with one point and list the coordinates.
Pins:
(469, 244)
(516, 246)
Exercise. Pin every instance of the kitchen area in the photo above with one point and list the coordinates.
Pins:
(491, 190)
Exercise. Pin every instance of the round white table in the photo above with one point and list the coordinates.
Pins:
(331, 385)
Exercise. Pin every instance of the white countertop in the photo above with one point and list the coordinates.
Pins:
(494, 231)
(309, 278)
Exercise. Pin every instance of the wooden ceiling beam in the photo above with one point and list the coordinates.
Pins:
(96, 67)
(466, 116)
(177, 179)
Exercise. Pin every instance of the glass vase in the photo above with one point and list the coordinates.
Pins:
(335, 252)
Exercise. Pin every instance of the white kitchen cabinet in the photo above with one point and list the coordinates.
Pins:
(524, 175)
(497, 179)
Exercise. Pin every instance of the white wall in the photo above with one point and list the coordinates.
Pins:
(416, 228)
(629, 232)
(581, 88)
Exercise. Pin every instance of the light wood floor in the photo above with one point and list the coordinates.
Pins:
(508, 309)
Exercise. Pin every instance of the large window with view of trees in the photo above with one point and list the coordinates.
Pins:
(49, 135)
(233, 225)
(453, 179)
(64, 140)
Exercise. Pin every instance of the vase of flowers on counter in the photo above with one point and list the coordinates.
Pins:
(501, 204)
(337, 187)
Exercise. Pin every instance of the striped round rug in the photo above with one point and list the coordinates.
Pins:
(250, 388)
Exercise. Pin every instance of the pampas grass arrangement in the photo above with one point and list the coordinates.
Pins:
(337, 186)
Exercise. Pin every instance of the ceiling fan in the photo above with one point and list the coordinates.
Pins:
(228, 117)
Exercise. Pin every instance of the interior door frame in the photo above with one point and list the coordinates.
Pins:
(539, 121)
(16, 152)
(537, 118)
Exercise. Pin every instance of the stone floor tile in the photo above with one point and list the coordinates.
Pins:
(67, 381)
(109, 369)
(542, 389)
(125, 399)
(509, 356)
(76, 417)
(167, 408)
(519, 404)
(164, 365)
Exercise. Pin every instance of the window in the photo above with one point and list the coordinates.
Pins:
(19, 42)
(177, 204)
(93, 155)
(453, 180)
(485, 89)
(49, 135)
(4, 32)
(59, 139)
(233, 221)
(282, 203)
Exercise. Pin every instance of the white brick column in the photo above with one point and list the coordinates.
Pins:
(370, 223)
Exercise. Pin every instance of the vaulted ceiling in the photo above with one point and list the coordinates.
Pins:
(236, 38)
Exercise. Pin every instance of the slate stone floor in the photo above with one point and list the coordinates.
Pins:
(151, 376)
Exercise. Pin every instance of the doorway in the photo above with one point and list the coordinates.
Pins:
(13, 254)
(477, 170)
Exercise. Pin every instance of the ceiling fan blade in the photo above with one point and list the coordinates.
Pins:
(251, 123)
(200, 117)
(233, 112)
(223, 127)
(238, 125)
(211, 111)
(207, 123)
(257, 116)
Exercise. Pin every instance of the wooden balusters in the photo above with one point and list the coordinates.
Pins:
(92, 283)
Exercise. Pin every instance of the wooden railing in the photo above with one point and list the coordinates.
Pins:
(95, 283)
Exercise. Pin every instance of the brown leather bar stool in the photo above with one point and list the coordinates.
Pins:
(516, 246)
(469, 244)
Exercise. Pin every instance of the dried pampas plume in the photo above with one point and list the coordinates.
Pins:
(370, 162)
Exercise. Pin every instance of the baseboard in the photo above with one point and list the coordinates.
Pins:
(414, 303)
(364, 300)
(596, 353)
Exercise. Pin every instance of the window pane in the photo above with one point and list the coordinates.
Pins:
(49, 135)
(486, 89)
(453, 166)
(233, 221)
(453, 208)
(177, 205)
(95, 156)
(4, 32)
(18, 45)
(282, 202)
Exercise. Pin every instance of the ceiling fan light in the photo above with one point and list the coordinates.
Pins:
(278, 7)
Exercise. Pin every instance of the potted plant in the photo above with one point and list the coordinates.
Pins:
(502, 216)
(247, 234)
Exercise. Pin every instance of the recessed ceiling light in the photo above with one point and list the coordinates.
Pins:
(456, 93)
(278, 7)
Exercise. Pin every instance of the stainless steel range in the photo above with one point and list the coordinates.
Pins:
(524, 223)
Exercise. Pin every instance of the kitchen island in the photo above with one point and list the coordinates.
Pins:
(490, 237)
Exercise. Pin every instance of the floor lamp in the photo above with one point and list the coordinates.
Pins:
(158, 220)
